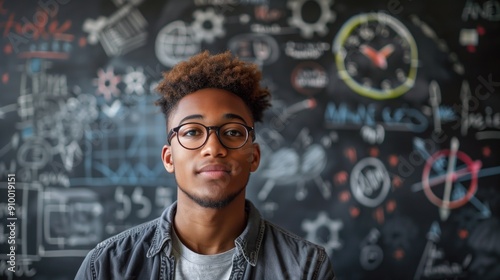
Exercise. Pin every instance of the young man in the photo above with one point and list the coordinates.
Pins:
(211, 232)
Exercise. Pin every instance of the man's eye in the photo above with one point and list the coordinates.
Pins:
(233, 133)
(191, 132)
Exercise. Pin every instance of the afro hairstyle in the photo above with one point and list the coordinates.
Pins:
(221, 71)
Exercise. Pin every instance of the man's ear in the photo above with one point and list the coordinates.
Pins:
(166, 157)
(255, 160)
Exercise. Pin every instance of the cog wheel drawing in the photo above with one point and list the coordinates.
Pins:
(134, 80)
(207, 25)
(323, 221)
(307, 29)
(107, 83)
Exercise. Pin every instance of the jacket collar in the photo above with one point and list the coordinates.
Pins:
(250, 240)
(163, 232)
(248, 243)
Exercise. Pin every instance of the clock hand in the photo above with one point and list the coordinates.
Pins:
(387, 50)
(369, 52)
(377, 58)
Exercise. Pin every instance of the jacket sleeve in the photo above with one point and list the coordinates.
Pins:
(85, 272)
(324, 267)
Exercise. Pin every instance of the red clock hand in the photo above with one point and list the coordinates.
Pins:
(387, 50)
(370, 53)
(378, 58)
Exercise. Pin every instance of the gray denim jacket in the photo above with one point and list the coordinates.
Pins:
(263, 251)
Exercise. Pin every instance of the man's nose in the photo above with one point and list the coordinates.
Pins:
(213, 146)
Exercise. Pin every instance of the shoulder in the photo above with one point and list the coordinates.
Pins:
(117, 252)
(132, 235)
(134, 241)
(296, 255)
(292, 240)
(270, 237)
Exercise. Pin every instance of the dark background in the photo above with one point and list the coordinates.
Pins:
(340, 167)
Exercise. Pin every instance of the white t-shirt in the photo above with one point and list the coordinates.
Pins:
(191, 265)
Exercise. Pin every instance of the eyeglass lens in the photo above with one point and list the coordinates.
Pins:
(194, 135)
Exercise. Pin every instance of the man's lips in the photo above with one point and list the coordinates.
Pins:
(214, 167)
(214, 170)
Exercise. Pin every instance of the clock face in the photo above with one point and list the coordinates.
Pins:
(376, 56)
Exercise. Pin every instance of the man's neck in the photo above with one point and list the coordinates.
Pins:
(209, 231)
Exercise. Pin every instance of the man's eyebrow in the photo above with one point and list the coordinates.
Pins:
(191, 117)
(234, 116)
(228, 116)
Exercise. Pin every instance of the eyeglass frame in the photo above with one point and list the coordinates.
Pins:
(215, 128)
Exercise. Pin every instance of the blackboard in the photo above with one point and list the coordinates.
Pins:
(382, 144)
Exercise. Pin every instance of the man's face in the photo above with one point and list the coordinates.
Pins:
(211, 175)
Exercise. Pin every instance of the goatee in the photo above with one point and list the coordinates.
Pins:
(213, 203)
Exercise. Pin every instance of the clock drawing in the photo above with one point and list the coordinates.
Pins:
(376, 56)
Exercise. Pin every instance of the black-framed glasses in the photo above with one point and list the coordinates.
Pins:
(192, 136)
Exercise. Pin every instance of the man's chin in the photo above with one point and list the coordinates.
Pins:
(213, 203)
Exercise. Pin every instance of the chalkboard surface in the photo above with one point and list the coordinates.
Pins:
(383, 142)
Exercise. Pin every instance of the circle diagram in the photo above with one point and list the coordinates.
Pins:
(430, 185)
(370, 182)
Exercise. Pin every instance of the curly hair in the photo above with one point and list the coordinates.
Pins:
(222, 71)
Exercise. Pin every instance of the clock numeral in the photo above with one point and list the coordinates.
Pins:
(383, 30)
(367, 82)
(352, 68)
(352, 41)
(402, 42)
(385, 84)
(400, 74)
(406, 57)
(366, 33)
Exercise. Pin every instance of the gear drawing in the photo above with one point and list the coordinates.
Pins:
(134, 80)
(307, 29)
(107, 83)
(322, 221)
(207, 25)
